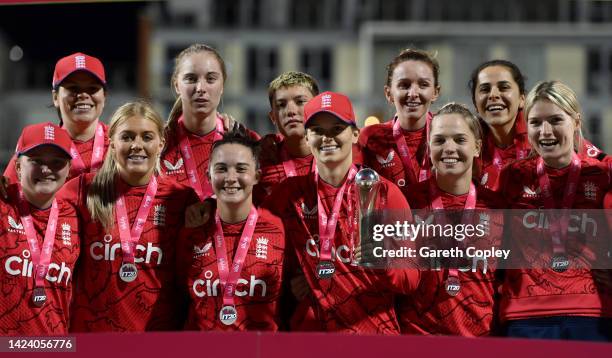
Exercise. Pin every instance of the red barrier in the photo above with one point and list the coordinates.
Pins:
(319, 345)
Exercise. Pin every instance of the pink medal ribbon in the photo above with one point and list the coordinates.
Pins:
(97, 156)
(453, 284)
(205, 191)
(558, 228)
(288, 164)
(129, 238)
(405, 154)
(229, 277)
(327, 225)
(40, 259)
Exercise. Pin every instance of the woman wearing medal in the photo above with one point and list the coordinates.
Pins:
(397, 149)
(194, 123)
(131, 218)
(449, 300)
(39, 234)
(553, 300)
(235, 263)
(79, 95)
(319, 210)
(497, 88)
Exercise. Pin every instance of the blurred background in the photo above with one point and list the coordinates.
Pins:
(344, 44)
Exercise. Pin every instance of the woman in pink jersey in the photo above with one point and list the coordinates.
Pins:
(451, 300)
(234, 265)
(39, 238)
(397, 149)
(498, 93)
(548, 298)
(194, 123)
(79, 95)
(319, 210)
(131, 218)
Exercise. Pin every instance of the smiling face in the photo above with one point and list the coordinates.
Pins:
(551, 132)
(199, 83)
(42, 171)
(330, 139)
(287, 112)
(497, 96)
(79, 98)
(233, 173)
(136, 145)
(412, 89)
(453, 146)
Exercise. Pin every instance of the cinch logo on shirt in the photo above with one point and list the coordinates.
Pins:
(576, 223)
(66, 234)
(208, 287)
(386, 162)
(22, 266)
(15, 227)
(105, 251)
(201, 251)
(531, 193)
(342, 253)
(261, 248)
(590, 190)
(174, 168)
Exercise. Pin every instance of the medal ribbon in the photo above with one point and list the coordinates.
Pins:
(405, 154)
(437, 204)
(559, 227)
(190, 165)
(40, 259)
(97, 156)
(229, 277)
(129, 238)
(327, 225)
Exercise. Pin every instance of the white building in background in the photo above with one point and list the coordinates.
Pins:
(346, 45)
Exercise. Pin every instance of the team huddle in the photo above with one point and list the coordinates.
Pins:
(198, 223)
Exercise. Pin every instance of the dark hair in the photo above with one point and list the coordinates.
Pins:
(410, 54)
(518, 77)
(239, 136)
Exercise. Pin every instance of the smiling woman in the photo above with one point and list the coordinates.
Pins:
(79, 95)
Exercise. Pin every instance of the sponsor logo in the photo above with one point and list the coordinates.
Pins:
(261, 248)
(590, 190)
(49, 133)
(15, 227)
(159, 215)
(107, 252)
(341, 253)
(530, 192)
(485, 219)
(592, 151)
(484, 179)
(201, 251)
(386, 162)
(209, 287)
(23, 266)
(576, 223)
(174, 168)
(66, 234)
(309, 213)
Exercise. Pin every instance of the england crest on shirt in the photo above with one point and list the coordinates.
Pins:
(261, 248)
(66, 234)
(159, 215)
(590, 190)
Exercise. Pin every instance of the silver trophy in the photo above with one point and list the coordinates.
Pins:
(368, 183)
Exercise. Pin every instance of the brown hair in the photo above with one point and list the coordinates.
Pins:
(177, 107)
(410, 54)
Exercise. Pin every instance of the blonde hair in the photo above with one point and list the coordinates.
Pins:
(102, 195)
(561, 96)
(177, 107)
(290, 79)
